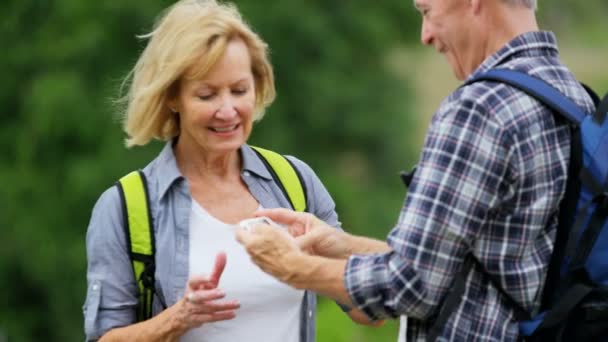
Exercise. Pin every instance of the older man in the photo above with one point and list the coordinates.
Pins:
(482, 206)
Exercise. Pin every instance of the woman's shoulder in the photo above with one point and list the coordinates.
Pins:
(301, 166)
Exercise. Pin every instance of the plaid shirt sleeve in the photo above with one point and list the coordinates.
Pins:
(466, 156)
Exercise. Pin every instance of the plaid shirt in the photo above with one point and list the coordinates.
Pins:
(491, 174)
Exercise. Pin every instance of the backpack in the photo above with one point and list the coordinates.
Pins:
(139, 228)
(574, 303)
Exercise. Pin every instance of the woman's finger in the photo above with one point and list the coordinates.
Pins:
(201, 296)
(198, 282)
(214, 306)
(200, 319)
(218, 268)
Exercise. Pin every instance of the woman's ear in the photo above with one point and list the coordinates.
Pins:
(172, 105)
(172, 98)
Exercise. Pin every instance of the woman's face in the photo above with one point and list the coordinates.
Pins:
(216, 112)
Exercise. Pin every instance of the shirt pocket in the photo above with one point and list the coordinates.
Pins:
(91, 307)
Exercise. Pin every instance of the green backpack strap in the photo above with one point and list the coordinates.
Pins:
(286, 175)
(140, 237)
(139, 226)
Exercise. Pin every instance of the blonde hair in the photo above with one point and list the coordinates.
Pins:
(187, 40)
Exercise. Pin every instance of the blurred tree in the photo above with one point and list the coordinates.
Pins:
(341, 107)
(338, 108)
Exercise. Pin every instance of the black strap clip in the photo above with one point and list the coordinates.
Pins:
(406, 177)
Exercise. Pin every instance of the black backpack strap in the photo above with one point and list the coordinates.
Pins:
(602, 111)
(567, 232)
(454, 298)
(594, 97)
(451, 302)
(407, 176)
(563, 308)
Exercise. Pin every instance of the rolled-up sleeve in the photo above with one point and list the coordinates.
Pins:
(450, 198)
(111, 291)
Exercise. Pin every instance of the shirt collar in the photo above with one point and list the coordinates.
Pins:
(529, 42)
(169, 172)
(253, 163)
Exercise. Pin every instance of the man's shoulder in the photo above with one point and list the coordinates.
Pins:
(479, 97)
(505, 101)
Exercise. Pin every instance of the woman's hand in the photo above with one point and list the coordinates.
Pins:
(201, 302)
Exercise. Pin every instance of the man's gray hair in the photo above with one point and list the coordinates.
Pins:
(528, 3)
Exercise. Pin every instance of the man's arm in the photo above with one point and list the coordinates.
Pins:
(446, 207)
(365, 245)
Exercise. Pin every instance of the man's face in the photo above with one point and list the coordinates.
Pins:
(445, 26)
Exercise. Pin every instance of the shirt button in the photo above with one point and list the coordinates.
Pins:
(246, 173)
(309, 313)
(95, 287)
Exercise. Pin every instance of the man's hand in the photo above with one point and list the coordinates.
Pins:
(273, 250)
(277, 254)
(312, 235)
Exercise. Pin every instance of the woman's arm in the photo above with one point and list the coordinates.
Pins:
(110, 307)
(202, 307)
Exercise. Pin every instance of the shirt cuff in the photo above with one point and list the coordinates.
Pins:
(367, 282)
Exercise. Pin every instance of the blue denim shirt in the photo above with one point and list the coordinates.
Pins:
(111, 292)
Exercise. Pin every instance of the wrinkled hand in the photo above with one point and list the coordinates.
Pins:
(273, 250)
(312, 235)
(201, 302)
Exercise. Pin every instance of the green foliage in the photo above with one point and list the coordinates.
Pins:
(62, 143)
(340, 108)
(333, 325)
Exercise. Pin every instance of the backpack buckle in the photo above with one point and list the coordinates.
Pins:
(147, 276)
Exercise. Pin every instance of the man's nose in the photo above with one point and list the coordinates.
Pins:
(425, 34)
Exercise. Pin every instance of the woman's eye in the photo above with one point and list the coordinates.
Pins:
(239, 91)
(206, 97)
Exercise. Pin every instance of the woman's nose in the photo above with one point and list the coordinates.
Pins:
(227, 109)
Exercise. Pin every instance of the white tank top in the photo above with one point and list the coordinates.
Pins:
(270, 310)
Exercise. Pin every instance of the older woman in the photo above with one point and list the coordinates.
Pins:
(201, 82)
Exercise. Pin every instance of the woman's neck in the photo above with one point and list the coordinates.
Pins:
(196, 163)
